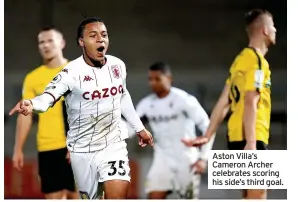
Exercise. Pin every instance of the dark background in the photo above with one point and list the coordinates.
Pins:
(199, 39)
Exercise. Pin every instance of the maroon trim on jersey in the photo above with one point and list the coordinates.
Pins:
(52, 97)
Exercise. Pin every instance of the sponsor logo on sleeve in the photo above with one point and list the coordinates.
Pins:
(56, 79)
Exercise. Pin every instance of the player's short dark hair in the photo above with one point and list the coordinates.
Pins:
(252, 15)
(49, 28)
(85, 22)
(160, 66)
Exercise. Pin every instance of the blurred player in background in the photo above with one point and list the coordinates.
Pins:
(172, 115)
(94, 87)
(55, 172)
(247, 93)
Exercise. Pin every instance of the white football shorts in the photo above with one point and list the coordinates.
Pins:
(178, 179)
(90, 169)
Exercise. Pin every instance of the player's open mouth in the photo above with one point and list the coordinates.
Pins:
(100, 49)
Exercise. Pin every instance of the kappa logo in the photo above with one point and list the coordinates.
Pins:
(116, 71)
(87, 78)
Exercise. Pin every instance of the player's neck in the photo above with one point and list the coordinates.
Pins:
(55, 62)
(163, 94)
(94, 63)
(260, 46)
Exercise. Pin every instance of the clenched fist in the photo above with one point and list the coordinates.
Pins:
(145, 138)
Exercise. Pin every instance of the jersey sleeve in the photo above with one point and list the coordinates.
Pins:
(28, 91)
(61, 83)
(196, 112)
(255, 78)
(254, 74)
(127, 108)
(141, 110)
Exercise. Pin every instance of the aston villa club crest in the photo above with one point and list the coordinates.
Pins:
(115, 71)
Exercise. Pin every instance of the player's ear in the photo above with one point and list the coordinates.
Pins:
(81, 42)
(265, 30)
(170, 77)
(63, 44)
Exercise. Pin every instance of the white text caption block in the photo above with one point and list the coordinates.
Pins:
(258, 169)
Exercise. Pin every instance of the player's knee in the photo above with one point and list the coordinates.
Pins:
(115, 195)
(116, 189)
(157, 195)
(256, 194)
(72, 195)
(56, 195)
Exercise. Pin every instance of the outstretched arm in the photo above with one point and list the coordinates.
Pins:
(219, 112)
(62, 83)
(255, 79)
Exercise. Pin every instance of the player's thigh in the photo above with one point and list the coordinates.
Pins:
(256, 194)
(114, 170)
(51, 166)
(85, 174)
(160, 178)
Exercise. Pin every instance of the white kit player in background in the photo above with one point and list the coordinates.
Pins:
(173, 114)
(93, 86)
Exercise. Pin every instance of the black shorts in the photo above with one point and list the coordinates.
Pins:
(55, 172)
(239, 145)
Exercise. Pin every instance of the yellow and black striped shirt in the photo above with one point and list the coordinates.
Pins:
(51, 133)
(249, 72)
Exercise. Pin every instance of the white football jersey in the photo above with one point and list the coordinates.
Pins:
(172, 118)
(94, 99)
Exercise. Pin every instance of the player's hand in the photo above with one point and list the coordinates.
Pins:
(145, 138)
(18, 160)
(250, 146)
(199, 141)
(24, 107)
(199, 167)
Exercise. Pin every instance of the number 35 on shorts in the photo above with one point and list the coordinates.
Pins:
(120, 168)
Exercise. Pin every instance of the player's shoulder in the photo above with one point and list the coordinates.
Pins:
(179, 92)
(75, 63)
(113, 59)
(35, 73)
(250, 53)
(38, 70)
(246, 58)
(115, 63)
(73, 66)
(182, 94)
(147, 100)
